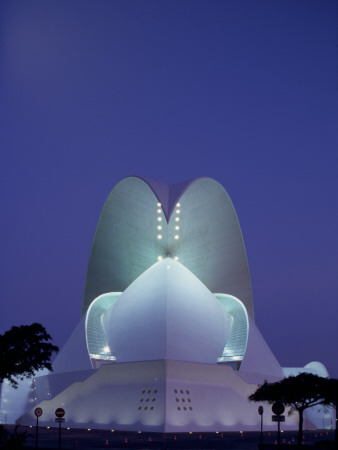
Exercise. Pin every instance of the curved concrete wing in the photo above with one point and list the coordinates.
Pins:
(124, 245)
(193, 222)
(211, 244)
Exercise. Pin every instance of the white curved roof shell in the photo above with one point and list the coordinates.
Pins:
(167, 314)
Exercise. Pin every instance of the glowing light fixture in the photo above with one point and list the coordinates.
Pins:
(178, 205)
(159, 236)
(106, 349)
(177, 219)
(177, 227)
(176, 258)
(159, 219)
(159, 204)
(176, 236)
(178, 211)
(159, 258)
(159, 211)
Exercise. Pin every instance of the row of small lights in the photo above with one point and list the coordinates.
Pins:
(140, 432)
(159, 226)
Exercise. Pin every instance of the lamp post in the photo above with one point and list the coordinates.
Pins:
(260, 412)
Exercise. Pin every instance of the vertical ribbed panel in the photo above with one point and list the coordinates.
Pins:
(235, 347)
(95, 335)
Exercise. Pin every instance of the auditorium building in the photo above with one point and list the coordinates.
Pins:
(167, 339)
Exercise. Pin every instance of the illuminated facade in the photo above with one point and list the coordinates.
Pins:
(167, 340)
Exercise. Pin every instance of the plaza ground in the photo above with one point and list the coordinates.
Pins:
(98, 439)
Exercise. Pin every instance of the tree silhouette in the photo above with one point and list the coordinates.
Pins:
(23, 351)
(298, 392)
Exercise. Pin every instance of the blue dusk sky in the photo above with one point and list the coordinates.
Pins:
(243, 91)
